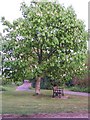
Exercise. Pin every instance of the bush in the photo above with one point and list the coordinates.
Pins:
(69, 83)
(80, 89)
(83, 83)
(2, 88)
(5, 81)
(47, 83)
(18, 83)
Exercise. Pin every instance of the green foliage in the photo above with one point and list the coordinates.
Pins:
(80, 89)
(47, 83)
(6, 81)
(18, 83)
(2, 88)
(48, 40)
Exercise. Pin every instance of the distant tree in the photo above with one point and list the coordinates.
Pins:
(48, 40)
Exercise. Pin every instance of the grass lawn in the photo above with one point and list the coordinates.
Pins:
(18, 102)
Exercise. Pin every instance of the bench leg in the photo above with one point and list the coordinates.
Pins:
(62, 93)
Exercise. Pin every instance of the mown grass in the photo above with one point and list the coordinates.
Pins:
(17, 102)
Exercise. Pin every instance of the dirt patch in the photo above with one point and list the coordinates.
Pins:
(44, 115)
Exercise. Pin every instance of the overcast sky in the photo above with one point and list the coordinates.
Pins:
(11, 9)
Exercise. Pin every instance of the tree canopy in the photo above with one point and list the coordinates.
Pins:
(48, 40)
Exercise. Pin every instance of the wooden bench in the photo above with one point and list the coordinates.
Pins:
(58, 92)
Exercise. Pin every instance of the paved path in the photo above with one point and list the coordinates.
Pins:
(76, 93)
(69, 92)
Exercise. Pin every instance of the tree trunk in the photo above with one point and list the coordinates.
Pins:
(37, 86)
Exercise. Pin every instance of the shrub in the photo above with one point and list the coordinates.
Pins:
(5, 81)
(83, 82)
(2, 88)
(18, 83)
(80, 89)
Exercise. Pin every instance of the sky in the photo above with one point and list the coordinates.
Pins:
(10, 9)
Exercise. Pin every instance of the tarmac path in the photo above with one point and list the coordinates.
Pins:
(76, 93)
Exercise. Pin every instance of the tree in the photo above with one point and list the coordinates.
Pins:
(48, 40)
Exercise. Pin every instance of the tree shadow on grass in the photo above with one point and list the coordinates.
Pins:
(42, 95)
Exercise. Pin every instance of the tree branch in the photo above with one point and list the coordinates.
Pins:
(51, 52)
